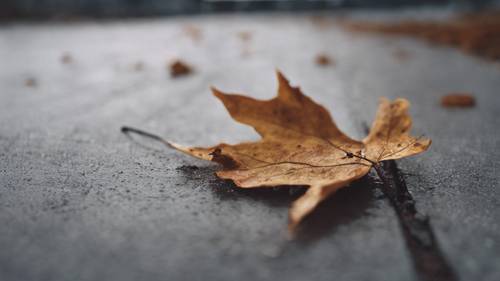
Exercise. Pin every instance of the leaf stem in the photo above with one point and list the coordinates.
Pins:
(126, 130)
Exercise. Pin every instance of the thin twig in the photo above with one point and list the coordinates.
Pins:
(429, 262)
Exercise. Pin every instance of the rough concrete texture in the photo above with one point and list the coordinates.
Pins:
(81, 201)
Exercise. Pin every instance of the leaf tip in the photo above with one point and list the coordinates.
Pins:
(279, 74)
(426, 143)
(301, 208)
(216, 92)
(292, 226)
(285, 89)
(282, 80)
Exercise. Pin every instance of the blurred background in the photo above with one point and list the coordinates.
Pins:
(30, 9)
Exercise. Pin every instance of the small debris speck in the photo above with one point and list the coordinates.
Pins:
(458, 100)
(179, 68)
(30, 82)
(245, 36)
(193, 32)
(66, 58)
(138, 66)
(323, 60)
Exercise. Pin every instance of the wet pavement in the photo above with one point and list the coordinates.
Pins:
(81, 201)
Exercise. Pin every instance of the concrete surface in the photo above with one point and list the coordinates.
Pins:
(81, 201)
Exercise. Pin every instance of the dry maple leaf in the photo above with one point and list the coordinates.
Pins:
(301, 145)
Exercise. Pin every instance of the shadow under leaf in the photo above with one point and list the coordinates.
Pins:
(347, 205)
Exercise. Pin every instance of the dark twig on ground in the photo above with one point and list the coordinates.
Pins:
(429, 262)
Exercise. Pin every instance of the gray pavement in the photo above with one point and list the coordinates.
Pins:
(81, 201)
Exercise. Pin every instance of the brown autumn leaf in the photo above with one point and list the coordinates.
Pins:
(301, 145)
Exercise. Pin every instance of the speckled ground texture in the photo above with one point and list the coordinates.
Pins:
(81, 201)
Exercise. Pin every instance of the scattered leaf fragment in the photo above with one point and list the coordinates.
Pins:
(458, 100)
(301, 145)
(245, 36)
(323, 60)
(193, 32)
(321, 22)
(474, 33)
(66, 58)
(179, 68)
(30, 82)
